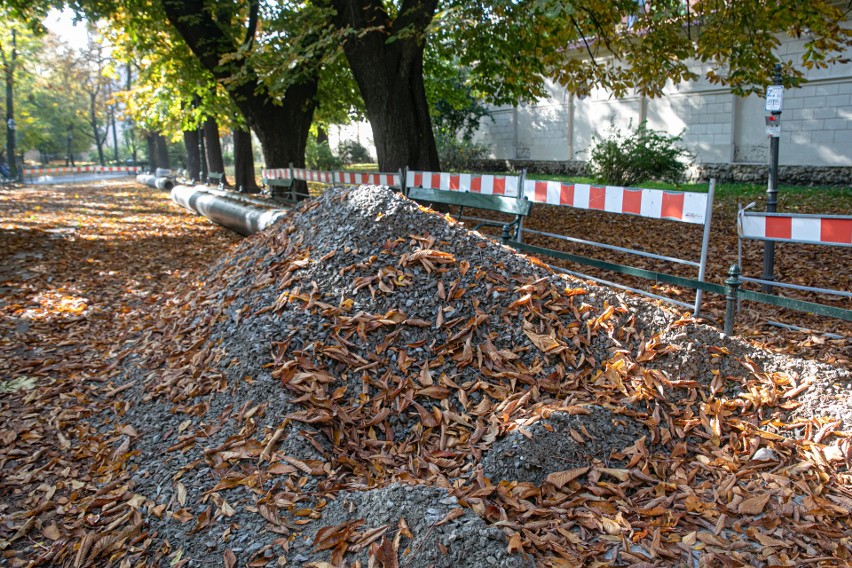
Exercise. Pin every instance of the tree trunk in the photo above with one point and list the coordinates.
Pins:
(9, 68)
(244, 179)
(193, 156)
(282, 124)
(114, 137)
(93, 119)
(390, 78)
(151, 144)
(162, 151)
(215, 162)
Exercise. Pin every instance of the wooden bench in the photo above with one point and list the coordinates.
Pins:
(520, 208)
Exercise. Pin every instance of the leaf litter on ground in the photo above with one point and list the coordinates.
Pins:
(370, 384)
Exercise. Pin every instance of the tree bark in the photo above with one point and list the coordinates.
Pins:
(193, 156)
(162, 151)
(390, 78)
(151, 145)
(93, 119)
(281, 125)
(244, 179)
(215, 162)
(9, 68)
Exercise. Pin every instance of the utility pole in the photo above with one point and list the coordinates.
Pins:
(774, 101)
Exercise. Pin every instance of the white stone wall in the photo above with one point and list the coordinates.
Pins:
(717, 126)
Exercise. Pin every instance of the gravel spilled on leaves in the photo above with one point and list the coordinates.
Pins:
(370, 384)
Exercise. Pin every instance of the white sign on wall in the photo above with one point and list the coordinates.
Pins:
(774, 98)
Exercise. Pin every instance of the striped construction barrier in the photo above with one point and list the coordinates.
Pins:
(687, 207)
(331, 177)
(475, 183)
(795, 228)
(313, 175)
(368, 178)
(81, 169)
(832, 230)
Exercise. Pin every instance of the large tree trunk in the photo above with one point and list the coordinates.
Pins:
(215, 162)
(162, 151)
(390, 78)
(281, 125)
(244, 179)
(193, 156)
(151, 145)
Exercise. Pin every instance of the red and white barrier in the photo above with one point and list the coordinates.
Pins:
(475, 183)
(276, 173)
(807, 229)
(687, 207)
(61, 170)
(367, 178)
(81, 169)
(313, 175)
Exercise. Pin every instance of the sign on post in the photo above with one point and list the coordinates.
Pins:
(774, 98)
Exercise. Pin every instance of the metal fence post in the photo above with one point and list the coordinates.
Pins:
(733, 283)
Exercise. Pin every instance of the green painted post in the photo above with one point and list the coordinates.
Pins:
(733, 283)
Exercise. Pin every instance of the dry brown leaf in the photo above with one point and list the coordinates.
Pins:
(561, 478)
(754, 505)
(230, 559)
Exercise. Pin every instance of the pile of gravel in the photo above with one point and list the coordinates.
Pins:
(360, 381)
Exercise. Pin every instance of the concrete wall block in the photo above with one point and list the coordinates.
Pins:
(823, 137)
(791, 103)
(839, 124)
(803, 138)
(824, 90)
(838, 100)
(825, 112)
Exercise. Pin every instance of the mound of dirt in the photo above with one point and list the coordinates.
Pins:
(370, 384)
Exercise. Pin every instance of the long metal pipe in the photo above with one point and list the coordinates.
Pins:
(161, 182)
(237, 214)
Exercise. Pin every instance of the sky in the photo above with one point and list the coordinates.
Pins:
(62, 24)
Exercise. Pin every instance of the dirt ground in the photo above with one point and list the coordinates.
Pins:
(370, 385)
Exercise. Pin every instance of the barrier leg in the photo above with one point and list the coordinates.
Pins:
(733, 283)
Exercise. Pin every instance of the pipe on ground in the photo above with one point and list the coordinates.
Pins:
(238, 215)
(161, 182)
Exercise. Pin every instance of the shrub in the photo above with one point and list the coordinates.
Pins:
(457, 154)
(353, 152)
(644, 155)
(320, 157)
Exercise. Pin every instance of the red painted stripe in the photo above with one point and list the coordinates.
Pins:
(672, 206)
(455, 183)
(436, 181)
(541, 191)
(836, 231)
(418, 180)
(476, 184)
(566, 194)
(499, 186)
(597, 198)
(779, 227)
(631, 201)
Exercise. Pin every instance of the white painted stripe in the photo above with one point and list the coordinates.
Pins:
(613, 199)
(581, 195)
(806, 229)
(694, 207)
(753, 226)
(512, 186)
(652, 203)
